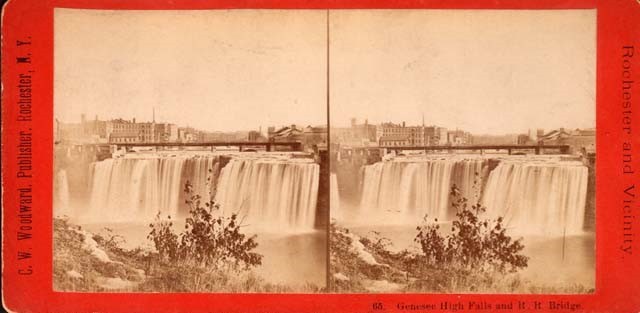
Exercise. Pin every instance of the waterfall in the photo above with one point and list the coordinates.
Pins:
(137, 188)
(414, 187)
(532, 194)
(273, 194)
(544, 197)
(61, 194)
(334, 197)
(273, 191)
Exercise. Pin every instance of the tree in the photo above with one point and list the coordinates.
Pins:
(473, 243)
(210, 238)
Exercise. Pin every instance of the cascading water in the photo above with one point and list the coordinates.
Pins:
(61, 195)
(274, 194)
(414, 186)
(139, 186)
(539, 196)
(533, 194)
(276, 191)
(334, 197)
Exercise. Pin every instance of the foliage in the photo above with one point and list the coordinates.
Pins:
(473, 243)
(141, 270)
(345, 261)
(210, 238)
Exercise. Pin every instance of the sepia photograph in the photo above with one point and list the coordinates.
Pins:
(415, 156)
(462, 148)
(355, 151)
(190, 151)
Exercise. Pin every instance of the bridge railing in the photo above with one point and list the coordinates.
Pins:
(564, 149)
(242, 145)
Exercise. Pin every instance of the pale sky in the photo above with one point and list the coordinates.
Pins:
(482, 71)
(214, 70)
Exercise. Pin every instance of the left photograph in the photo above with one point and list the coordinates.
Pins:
(190, 151)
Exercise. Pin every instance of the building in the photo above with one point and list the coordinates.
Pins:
(120, 129)
(459, 138)
(256, 136)
(356, 134)
(286, 134)
(190, 134)
(124, 137)
(166, 132)
(416, 136)
(400, 140)
(314, 137)
(525, 139)
(577, 139)
(87, 131)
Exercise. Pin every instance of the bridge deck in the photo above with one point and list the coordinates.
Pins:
(479, 147)
(537, 148)
(206, 144)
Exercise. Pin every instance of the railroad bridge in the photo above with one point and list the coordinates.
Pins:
(242, 145)
(538, 149)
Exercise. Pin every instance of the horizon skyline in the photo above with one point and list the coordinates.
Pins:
(93, 117)
(360, 121)
(263, 129)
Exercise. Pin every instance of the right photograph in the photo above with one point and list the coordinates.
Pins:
(462, 151)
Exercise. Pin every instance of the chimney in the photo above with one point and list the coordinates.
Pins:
(403, 124)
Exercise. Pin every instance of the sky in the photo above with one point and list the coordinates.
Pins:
(213, 70)
(484, 71)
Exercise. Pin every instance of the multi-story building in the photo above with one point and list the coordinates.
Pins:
(190, 134)
(395, 141)
(356, 134)
(166, 132)
(131, 131)
(390, 134)
(459, 138)
(87, 131)
(442, 136)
